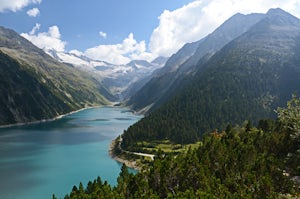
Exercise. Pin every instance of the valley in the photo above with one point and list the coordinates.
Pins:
(217, 119)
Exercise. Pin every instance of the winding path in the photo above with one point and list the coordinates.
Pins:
(143, 154)
(135, 153)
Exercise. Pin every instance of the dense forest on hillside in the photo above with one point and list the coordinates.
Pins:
(239, 162)
(179, 69)
(241, 92)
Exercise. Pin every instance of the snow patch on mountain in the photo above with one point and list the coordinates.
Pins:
(117, 78)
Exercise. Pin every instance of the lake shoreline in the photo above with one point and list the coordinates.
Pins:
(128, 163)
(46, 120)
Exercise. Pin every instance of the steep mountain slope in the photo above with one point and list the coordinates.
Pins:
(160, 81)
(23, 98)
(160, 61)
(180, 68)
(35, 86)
(245, 80)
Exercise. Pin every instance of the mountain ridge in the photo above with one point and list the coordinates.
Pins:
(182, 65)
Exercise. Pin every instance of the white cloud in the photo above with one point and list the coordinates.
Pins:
(103, 34)
(46, 40)
(33, 12)
(15, 5)
(199, 18)
(121, 53)
(186, 24)
(35, 28)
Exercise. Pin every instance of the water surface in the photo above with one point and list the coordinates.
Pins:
(39, 160)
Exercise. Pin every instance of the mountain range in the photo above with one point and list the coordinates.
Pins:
(242, 71)
(121, 80)
(247, 79)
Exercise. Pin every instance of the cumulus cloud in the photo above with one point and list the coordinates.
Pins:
(186, 24)
(33, 12)
(103, 34)
(199, 18)
(15, 5)
(120, 53)
(46, 40)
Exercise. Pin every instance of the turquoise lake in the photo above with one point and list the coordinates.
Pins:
(39, 160)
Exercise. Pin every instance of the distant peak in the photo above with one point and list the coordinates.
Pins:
(281, 17)
(137, 61)
(238, 14)
(277, 11)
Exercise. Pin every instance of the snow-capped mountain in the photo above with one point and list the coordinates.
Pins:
(140, 64)
(77, 60)
(117, 78)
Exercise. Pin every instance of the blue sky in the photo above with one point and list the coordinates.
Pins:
(118, 31)
(80, 21)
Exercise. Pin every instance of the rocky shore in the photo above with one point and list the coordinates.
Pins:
(122, 160)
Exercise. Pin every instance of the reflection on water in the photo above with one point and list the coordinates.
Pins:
(123, 119)
(101, 120)
(38, 160)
